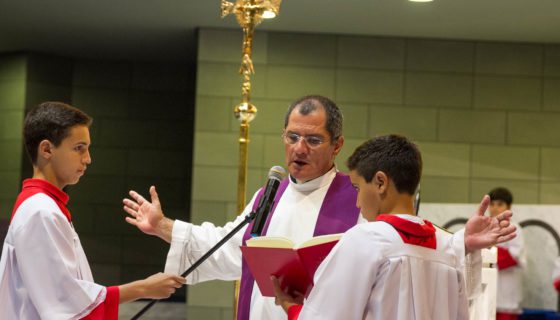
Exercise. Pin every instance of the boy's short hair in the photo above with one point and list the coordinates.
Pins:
(392, 154)
(501, 193)
(50, 121)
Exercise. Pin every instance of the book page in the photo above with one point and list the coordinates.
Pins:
(270, 242)
(320, 239)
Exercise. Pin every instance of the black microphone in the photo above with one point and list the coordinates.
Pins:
(275, 175)
(417, 201)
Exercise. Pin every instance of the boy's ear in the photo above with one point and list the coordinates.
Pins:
(381, 180)
(45, 149)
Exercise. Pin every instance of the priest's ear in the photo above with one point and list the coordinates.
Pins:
(338, 143)
(45, 149)
(381, 181)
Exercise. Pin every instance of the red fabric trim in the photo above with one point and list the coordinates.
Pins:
(108, 309)
(112, 303)
(506, 316)
(505, 259)
(33, 186)
(293, 311)
(557, 285)
(423, 235)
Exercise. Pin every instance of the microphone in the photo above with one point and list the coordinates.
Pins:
(417, 201)
(275, 175)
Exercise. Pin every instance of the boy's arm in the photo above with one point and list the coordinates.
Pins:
(158, 286)
(108, 309)
(344, 280)
(292, 306)
(46, 259)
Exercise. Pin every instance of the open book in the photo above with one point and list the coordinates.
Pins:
(293, 265)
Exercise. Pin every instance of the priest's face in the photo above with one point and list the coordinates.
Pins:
(310, 151)
(70, 159)
(369, 198)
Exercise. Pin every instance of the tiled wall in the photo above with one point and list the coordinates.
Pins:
(141, 136)
(13, 76)
(25, 79)
(484, 114)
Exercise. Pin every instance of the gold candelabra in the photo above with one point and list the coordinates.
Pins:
(249, 14)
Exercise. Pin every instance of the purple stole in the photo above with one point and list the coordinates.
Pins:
(338, 213)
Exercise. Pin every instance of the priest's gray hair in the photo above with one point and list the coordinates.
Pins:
(308, 104)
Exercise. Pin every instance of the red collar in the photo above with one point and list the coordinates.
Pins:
(424, 229)
(422, 234)
(48, 188)
(34, 186)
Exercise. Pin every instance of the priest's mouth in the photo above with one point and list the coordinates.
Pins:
(299, 163)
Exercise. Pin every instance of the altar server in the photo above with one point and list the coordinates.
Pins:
(44, 273)
(511, 262)
(398, 266)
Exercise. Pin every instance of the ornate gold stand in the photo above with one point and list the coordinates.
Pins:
(249, 14)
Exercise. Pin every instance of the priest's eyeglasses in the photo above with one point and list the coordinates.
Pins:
(312, 141)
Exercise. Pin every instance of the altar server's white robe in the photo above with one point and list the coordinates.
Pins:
(371, 274)
(44, 273)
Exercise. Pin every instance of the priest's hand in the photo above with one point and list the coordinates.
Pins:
(482, 231)
(284, 299)
(148, 216)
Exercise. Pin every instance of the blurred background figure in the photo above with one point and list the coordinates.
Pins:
(511, 262)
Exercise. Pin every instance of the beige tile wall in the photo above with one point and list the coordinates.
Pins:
(13, 77)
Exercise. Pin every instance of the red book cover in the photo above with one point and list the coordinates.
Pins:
(294, 267)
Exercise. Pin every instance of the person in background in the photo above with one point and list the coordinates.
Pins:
(511, 261)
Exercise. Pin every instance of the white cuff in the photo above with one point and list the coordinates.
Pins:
(179, 237)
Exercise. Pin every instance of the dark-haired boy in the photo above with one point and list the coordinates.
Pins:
(44, 273)
(511, 261)
(398, 266)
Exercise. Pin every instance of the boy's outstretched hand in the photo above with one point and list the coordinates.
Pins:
(148, 216)
(157, 286)
(162, 285)
(482, 231)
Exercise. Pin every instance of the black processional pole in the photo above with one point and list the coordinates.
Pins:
(247, 220)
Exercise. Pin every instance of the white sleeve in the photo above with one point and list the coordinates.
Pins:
(470, 263)
(49, 268)
(345, 278)
(190, 242)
